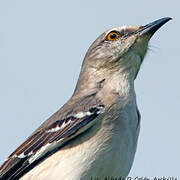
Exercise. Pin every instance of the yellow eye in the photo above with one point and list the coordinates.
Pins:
(112, 36)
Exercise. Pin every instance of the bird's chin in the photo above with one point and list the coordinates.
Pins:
(141, 45)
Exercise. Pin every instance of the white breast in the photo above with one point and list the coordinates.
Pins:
(109, 152)
(117, 153)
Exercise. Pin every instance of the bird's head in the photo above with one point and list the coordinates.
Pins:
(120, 49)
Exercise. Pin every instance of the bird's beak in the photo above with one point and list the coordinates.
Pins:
(151, 28)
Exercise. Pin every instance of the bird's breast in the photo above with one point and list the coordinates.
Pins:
(105, 150)
(116, 144)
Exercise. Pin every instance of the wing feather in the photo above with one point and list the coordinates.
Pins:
(47, 140)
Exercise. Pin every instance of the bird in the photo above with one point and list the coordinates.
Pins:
(94, 135)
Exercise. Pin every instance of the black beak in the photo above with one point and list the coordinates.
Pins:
(151, 28)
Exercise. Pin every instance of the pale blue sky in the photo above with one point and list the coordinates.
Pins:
(42, 45)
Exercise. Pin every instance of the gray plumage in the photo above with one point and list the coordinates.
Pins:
(95, 133)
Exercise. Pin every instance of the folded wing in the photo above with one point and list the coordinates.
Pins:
(46, 141)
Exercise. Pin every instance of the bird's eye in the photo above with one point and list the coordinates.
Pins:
(112, 36)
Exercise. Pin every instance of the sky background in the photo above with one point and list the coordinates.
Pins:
(42, 45)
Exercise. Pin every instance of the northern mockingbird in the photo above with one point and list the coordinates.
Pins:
(94, 135)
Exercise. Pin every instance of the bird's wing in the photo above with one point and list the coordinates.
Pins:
(47, 140)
